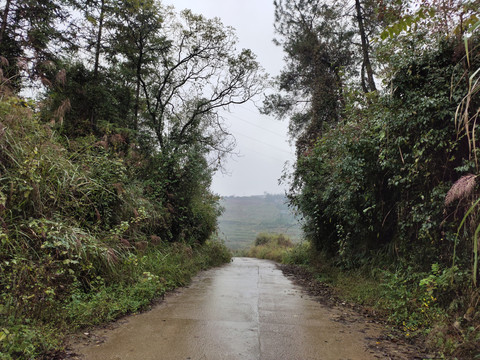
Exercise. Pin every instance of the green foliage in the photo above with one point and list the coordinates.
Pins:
(265, 238)
(144, 277)
(299, 254)
(278, 239)
(364, 187)
(27, 341)
(139, 279)
(318, 45)
(77, 94)
(82, 236)
(411, 298)
(270, 246)
(181, 183)
(30, 31)
(407, 22)
(372, 186)
(466, 125)
(105, 199)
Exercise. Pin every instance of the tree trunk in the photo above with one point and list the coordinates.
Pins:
(366, 57)
(362, 79)
(4, 20)
(97, 60)
(99, 39)
(137, 90)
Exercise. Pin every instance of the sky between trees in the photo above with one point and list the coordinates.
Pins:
(262, 141)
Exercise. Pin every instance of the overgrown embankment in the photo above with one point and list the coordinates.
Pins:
(278, 247)
(374, 191)
(85, 236)
(386, 174)
(425, 309)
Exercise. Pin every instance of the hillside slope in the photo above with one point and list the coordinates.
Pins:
(245, 217)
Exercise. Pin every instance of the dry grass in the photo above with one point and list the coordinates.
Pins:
(461, 189)
(270, 246)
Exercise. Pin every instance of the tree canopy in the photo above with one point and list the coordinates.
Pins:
(105, 196)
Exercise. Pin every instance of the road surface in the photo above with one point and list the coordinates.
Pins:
(244, 310)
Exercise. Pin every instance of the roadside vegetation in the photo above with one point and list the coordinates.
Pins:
(105, 200)
(383, 103)
(269, 246)
(405, 299)
(279, 248)
(79, 243)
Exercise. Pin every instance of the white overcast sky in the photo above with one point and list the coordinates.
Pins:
(262, 141)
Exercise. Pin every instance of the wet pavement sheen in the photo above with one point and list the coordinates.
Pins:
(244, 310)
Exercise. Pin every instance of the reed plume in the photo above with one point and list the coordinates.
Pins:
(461, 189)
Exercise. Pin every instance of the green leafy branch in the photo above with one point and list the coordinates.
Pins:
(406, 23)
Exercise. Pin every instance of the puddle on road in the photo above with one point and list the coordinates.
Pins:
(244, 310)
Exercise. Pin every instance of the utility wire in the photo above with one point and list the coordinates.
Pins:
(264, 116)
(258, 126)
(265, 156)
(263, 142)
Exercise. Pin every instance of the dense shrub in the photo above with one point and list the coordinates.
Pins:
(83, 240)
(372, 190)
(378, 181)
(299, 254)
(270, 246)
(279, 239)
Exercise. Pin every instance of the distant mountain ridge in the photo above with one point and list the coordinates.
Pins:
(246, 216)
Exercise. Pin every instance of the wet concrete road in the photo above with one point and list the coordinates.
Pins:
(244, 310)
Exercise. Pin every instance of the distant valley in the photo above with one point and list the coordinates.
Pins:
(245, 217)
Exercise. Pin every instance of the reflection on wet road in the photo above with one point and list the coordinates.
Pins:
(244, 310)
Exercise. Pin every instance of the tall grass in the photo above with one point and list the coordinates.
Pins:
(140, 279)
(78, 240)
(466, 118)
(278, 247)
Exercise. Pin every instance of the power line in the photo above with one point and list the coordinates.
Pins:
(258, 126)
(264, 143)
(264, 116)
(265, 156)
